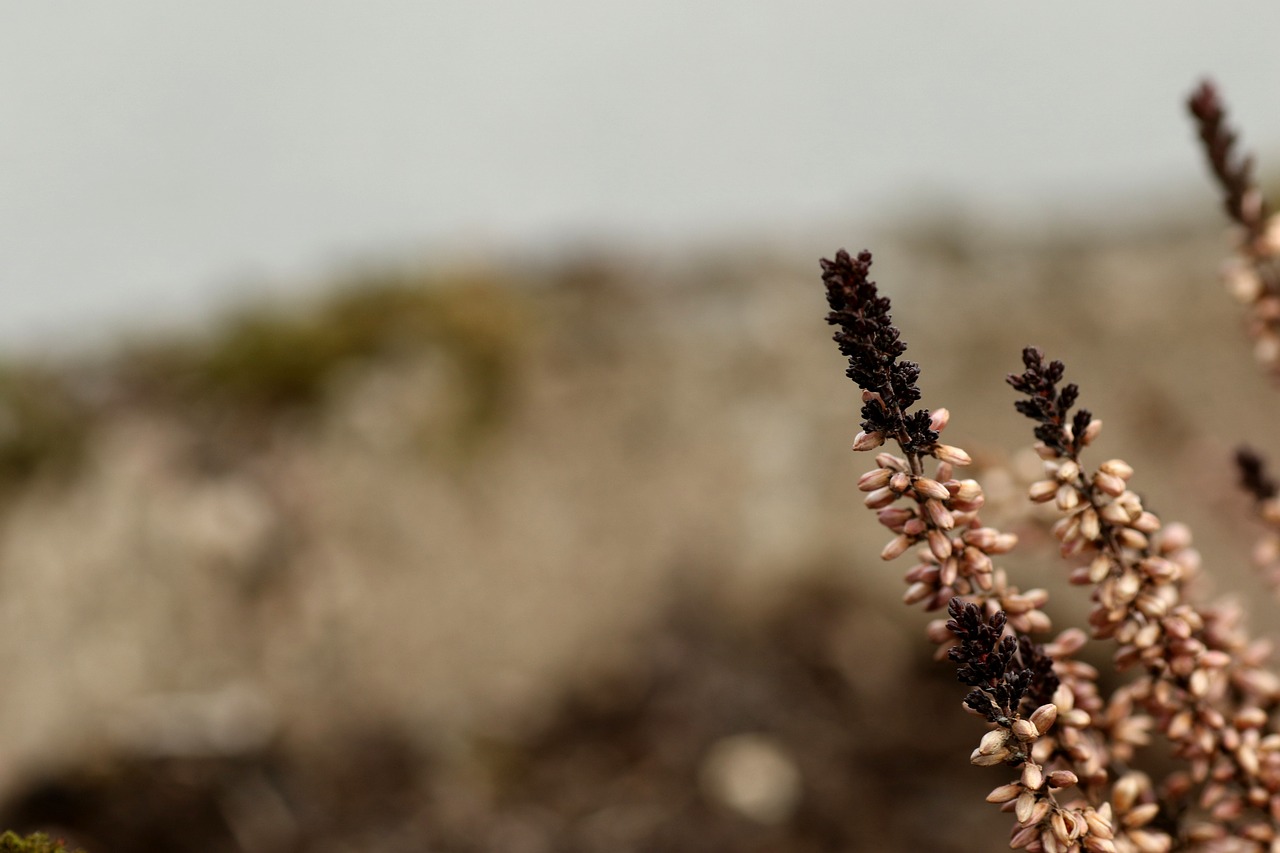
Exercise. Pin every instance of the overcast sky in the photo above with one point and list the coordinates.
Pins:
(158, 157)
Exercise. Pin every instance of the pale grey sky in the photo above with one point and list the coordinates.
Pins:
(158, 157)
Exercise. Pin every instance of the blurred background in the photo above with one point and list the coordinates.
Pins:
(418, 428)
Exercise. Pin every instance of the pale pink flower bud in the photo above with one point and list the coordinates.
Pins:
(952, 455)
(1062, 779)
(868, 440)
(874, 479)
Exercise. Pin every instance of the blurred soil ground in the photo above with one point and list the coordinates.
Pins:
(564, 559)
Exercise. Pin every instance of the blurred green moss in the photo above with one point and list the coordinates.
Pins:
(269, 361)
(43, 424)
(36, 843)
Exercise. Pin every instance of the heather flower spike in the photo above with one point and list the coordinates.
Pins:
(1253, 274)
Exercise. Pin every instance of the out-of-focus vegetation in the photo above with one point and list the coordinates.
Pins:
(269, 362)
(43, 424)
(35, 843)
(268, 359)
(408, 567)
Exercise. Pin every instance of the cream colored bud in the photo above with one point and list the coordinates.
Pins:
(1108, 484)
(1098, 826)
(1175, 537)
(1022, 810)
(895, 516)
(1115, 513)
(1147, 635)
(1024, 837)
(1063, 779)
(1117, 468)
(981, 760)
(1067, 497)
(877, 478)
(939, 514)
(917, 592)
(952, 455)
(992, 741)
(880, 498)
(1270, 242)
(967, 491)
(1076, 718)
(1090, 526)
(1148, 522)
(1141, 815)
(939, 544)
(1247, 758)
(1003, 544)
(868, 440)
(1091, 432)
(897, 546)
(1242, 282)
(1127, 586)
(1198, 684)
(1025, 730)
(1004, 793)
(1125, 793)
(1067, 471)
(1100, 568)
(931, 489)
(1032, 776)
(1267, 348)
(1180, 725)
(1043, 490)
(938, 419)
(1152, 606)
(1044, 717)
(1252, 717)
(893, 463)
(948, 571)
(1130, 538)
(1061, 833)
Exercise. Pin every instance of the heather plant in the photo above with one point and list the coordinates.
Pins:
(1077, 774)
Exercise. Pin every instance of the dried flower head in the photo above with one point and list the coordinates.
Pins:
(872, 344)
(1005, 672)
(1234, 171)
(1049, 406)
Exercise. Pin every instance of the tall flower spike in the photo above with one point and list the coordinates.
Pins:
(1241, 198)
(1253, 275)
(871, 342)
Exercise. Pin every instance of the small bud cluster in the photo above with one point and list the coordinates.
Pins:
(1253, 275)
